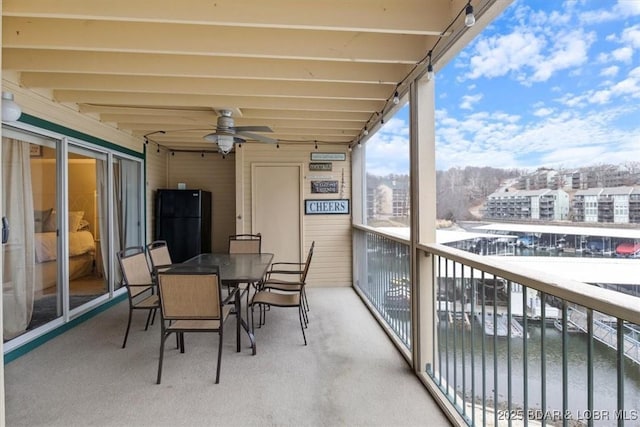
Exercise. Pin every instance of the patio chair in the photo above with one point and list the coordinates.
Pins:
(137, 278)
(191, 301)
(280, 293)
(159, 256)
(287, 276)
(245, 244)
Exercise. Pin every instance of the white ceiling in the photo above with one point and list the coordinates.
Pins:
(312, 70)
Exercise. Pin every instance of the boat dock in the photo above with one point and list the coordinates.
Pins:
(606, 334)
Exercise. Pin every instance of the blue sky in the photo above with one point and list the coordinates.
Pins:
(549, 83)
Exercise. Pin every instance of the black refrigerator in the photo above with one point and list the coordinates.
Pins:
(183, 219)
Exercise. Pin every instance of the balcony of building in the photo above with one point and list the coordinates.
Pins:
(424, 296)
(349, 374)
(474, 340)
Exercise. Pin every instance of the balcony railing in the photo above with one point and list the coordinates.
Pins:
(507, 345)
(385, 282)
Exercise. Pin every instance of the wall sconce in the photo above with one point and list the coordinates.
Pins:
(11, 111)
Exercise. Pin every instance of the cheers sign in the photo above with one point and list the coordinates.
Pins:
(326, 207)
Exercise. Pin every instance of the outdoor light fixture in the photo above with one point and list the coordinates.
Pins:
(469, 19)
(396, 98)
(11, 111)
(225, 142)
(365, 132)
(430, 73)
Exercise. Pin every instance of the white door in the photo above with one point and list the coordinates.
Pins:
(276, 209)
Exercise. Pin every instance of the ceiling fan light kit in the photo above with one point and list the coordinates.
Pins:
(226, 133)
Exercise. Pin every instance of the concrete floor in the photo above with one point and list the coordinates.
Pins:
(349, 374)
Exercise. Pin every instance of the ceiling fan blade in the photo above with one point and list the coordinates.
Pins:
(257, 137)
(253, 129)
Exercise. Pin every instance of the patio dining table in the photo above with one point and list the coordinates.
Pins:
(234, 270)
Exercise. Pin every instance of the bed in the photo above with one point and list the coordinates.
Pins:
(82, 250)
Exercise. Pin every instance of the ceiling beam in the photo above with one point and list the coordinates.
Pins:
(40, 33)
(205, 86)
(199, 101)
(128, 63)
(389, 16)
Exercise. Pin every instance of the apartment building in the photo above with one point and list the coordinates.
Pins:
(607, 205)
(545, 204)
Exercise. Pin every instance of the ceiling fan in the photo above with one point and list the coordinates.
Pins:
(226, 134)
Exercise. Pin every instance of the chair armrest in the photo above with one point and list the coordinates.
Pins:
(281, 282)
(286, 268)
(157, 268)
(285, 271)
(287, 263)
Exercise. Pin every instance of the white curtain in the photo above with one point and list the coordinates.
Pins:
(130, 203)
(19, 254)
(103, 205)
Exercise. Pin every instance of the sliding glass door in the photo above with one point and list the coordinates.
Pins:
(87, 222)
(67, 213)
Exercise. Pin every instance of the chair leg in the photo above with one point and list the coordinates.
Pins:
(219, 356)
(300, 311)
(304, 316)
(162, 340)
(126, 334)
(146, 326)
(306, 301)
(253, 327)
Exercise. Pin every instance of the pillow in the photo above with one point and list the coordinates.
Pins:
(74, 220)
(51, 224)
(84, 225)
(40, 218)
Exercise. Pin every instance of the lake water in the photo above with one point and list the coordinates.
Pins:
(604, 370)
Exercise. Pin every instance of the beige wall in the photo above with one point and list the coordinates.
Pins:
(214, 174)
(331, 265)
(156, 169)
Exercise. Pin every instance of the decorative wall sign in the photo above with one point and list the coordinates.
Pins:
(326, 207)
(35, 150)
(339, 157)
(324, 186)
(320, 166)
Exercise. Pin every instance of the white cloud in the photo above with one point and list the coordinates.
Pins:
(543, 112)
(469, 100)
(623, 54)
(569, 50)
(631, 36)
(628, 8)
(623, 9)
(611, 71)
(497, 56)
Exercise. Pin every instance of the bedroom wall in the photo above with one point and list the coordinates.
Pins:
(82, 189)
(43, 180)
(82, 184)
